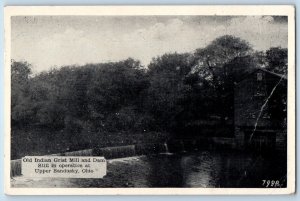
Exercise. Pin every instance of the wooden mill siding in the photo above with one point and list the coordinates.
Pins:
(250, 94)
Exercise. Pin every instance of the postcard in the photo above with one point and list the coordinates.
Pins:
(149, 100)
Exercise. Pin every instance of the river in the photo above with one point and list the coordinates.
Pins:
(206, 169)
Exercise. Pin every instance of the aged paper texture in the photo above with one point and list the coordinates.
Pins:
(149, 100)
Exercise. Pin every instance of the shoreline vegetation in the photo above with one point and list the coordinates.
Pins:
(178, 95)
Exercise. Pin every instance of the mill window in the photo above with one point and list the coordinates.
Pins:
(259, 76)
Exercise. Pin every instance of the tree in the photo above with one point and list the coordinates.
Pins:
(277, 60)
(112, 87)
(211, 59)
(211, 67)
(168, 91)
(175, 91)
(20, 103)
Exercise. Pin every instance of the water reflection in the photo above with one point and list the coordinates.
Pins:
(203, 169)
(201, 172)
(199, 169)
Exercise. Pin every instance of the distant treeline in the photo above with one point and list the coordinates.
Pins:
(174, 91)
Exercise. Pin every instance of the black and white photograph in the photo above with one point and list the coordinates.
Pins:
(151, 101)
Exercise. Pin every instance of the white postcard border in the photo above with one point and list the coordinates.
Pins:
(287, 10)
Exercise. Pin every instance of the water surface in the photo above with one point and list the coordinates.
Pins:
(197, 169)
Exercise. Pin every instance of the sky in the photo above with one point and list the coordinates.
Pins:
(53, 41)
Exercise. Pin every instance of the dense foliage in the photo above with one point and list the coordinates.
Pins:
(174, 91)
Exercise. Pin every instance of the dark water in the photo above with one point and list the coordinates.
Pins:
(198, 169)
(214, 169)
